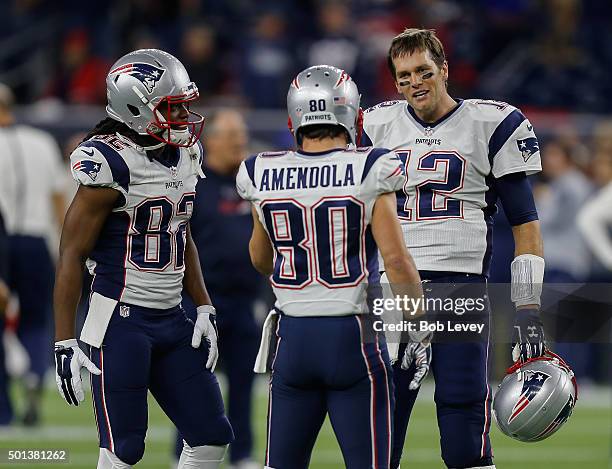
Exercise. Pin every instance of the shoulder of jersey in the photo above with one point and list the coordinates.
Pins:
(114, 155)
(264, 156)
(384, 112)
(90, 155)
(488, 110)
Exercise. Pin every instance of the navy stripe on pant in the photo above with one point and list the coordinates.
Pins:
(462, 393)
(329, 365)
(146, 349)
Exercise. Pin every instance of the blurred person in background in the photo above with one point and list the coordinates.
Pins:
(78, 79)
(336, 41)
(201, 56)
(221, 225)
(31, 186)
(595, 217)
(558, 201)
(567, 257)
(6, 409)
(267, 61)
(540, 70)
(156, 20)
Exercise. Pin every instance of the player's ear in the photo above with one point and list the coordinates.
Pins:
(444, 70)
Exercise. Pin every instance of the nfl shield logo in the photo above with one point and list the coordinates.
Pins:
(429, 131)
(124, 311)
(173, 172)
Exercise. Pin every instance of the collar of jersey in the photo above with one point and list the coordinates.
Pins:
(439, 121)
(169, 156)
(318, 153)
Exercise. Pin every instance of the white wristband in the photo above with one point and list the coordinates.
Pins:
(210, 309)
(67, 343)
(527, 273)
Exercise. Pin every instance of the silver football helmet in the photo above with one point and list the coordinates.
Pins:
(143, 87)
(323, 94)
(535, 398)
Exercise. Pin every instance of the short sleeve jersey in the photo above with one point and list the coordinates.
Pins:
(139, 255)
(317, 209)
(448, 199)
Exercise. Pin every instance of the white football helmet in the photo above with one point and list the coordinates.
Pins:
(143, 83)
(535, 398)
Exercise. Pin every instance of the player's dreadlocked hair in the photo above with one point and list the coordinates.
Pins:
(110, 126)
(414, 39)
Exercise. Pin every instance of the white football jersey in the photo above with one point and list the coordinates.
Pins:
(317, 208)
(447, 202)
(139, 255)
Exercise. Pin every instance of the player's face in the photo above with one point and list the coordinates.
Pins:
(175, 112)
(228, 138)
(421, 81)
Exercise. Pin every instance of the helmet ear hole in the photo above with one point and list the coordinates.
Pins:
(134, 110)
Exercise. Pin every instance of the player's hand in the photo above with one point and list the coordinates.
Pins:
(528, 338)
(205, 326)
(418, 353)
(69, 359)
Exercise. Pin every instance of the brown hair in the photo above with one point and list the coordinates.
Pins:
(319, 132)
(414, 39)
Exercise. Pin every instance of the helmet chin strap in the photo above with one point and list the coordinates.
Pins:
(133, 144)
(179, 137)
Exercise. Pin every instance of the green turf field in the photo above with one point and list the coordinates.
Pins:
(583, 443)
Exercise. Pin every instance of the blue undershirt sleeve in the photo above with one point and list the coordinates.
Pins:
(514, 192)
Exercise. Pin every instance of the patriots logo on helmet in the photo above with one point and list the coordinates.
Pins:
(91, 168)
(147, 74)
(531, 386)
(342, 78)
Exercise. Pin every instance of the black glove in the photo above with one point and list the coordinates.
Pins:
(528, 336)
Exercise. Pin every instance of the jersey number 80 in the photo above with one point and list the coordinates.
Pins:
(327, 241)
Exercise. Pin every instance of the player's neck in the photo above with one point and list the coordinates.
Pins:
(324, 144)
(446, 105)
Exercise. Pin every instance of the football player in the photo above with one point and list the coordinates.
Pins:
(129, 223)
(460, 156)
(319, 213)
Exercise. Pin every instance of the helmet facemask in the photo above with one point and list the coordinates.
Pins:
(179, 133)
